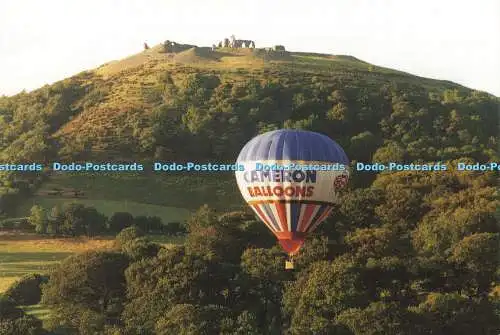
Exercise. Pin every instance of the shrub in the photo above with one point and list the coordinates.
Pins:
(26, 291)
(8, 309)
(140, 248)
(127, 235)
(26, 325)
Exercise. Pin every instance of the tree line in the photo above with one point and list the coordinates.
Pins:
(75, 219)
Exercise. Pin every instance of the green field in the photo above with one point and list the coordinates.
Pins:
(171, 197)
(21, 254)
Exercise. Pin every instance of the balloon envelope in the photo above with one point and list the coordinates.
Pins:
(291, 179)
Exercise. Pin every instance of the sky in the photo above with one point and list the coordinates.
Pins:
(45, 41)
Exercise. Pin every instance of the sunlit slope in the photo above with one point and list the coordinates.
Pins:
(202, 105)
(124, 92)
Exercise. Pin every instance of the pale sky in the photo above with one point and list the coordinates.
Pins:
(46, 41)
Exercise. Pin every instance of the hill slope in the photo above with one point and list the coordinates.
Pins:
(201, 105)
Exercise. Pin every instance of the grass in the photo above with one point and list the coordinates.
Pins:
(170, 196)
(21, 254)
(38, 311)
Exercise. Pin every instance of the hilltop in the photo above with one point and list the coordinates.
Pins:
(417, 246)
(190, 103)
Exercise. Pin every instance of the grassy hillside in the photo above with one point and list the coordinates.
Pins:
(196, 104)
(170, 197)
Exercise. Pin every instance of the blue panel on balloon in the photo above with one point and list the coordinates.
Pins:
(293, 145)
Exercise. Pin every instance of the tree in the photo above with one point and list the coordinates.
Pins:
(187, 319)
(402, 207)
(439, 231)
(379, 318)
(245, 324)
(315, 249)
(127, 235)
(156, 284)
(90, 322)
(119, 221)
(38, 218)
(195, 120)
(339, 112)
(357, 208)
(25, 325)
(363, 145)
(204, 217)
(262, 285)
(78, 219)
(56, 220)
(91, 282)
(215, 242)
(8, 309)
(475, 257)
(95, 222)
(451, 313)
(321, 293)
(14, 321)
(391, 152)
(150, 224)
(73, 219)
(174, 228)
(373, 243)
(26, 290)
(140, 248)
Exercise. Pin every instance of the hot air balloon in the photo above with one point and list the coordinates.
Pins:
(291, 180)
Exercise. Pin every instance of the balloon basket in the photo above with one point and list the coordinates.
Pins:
(289, 265)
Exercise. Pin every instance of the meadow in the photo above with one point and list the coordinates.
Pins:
(171, 197)
(22, 254)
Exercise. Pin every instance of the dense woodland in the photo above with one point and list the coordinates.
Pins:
(404, 252)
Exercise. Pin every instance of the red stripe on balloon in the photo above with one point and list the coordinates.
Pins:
(307, 216)
(325, 214)
(281, 209)
(263, 217)
(314, 225)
